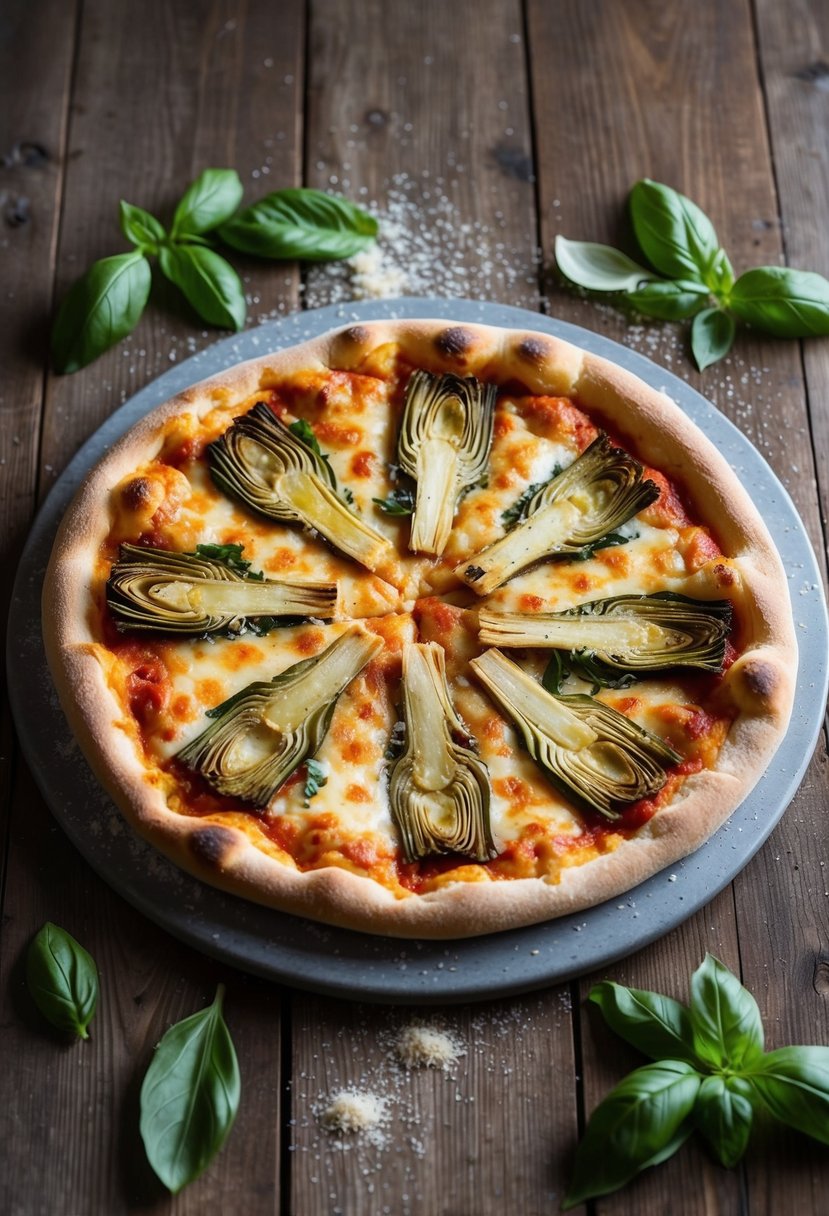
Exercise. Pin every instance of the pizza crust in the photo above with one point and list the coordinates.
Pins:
(761, 680)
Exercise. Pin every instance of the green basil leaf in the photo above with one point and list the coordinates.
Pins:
(140, 227)
(315, 779)
(555, 673)
(720, 278)
(62, 979)
(190, 1096)
(674, 234)
(598, 267)
(783, 302)
(100, 309)
(712, 334)
(299, 223)
(210, 284)
(793, 1083)
(656, 1025)
(725, 1020)
(642, 1122)
(208, 202)
(399, 502)
(723, 1114)
(669, 301)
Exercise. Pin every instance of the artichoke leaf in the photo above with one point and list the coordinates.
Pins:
(260, 461)
(601, 490)
(591, 753)
(438, 788)
(152, 589)
(444, 442)
(626, 633)
(259, 736)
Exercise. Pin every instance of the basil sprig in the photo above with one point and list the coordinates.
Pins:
(62, 979)
(686, 273)
(709, 1073)
(106, 303)
(190, 1096)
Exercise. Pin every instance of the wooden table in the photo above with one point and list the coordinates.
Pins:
(502, 125)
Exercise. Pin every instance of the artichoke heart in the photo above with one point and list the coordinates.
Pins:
(260, 461)
(594, 755)
(627, 633)
(597, 493)
(438, 789)
(162, 591)
(444, 443)
(268, 729)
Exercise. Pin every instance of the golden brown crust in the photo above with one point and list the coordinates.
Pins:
(761, 680)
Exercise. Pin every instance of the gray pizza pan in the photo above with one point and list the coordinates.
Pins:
(339, 962)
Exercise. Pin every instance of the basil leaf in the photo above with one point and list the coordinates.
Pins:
(723, 1114)
(514, 514)
(100, 309)
(62, 979)
(669, 301)
(725, 1020)
(190, 1096)
(208, 202)
(642, 1122)
(656, 1025)
(793, 1083)
(140, 227)
(231, 556)
(210, 284)
(674, 234)
(598, 267)
(315, 779)
(555, 673)
(720, 278)
(399, 502)
(783, 302)
(300, 223)
(712, 334)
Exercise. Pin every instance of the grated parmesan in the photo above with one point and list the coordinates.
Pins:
(426, 1047)
(353, 1112)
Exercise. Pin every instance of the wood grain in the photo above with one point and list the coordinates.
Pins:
(661, 87)
(155, 101)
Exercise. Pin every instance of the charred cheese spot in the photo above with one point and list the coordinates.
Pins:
(309, 642)
(362, 465)
(280, 561)
(358, 793)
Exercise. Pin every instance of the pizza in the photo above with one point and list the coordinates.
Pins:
(421, 629)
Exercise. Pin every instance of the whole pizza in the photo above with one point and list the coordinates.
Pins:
(422, 629)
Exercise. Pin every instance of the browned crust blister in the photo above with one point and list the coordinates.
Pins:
(761, 680)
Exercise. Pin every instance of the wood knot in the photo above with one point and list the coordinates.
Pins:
(820, 978)
(514, 162)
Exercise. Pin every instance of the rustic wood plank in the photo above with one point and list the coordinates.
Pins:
(478, 1136)
(427, 118)
(785, 959)
(155, 102)
(425, 114)
(661, 87)
(36, 41)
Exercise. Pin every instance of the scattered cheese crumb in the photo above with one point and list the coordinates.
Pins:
(351, 1111)
(374, 277)
(424, 1046)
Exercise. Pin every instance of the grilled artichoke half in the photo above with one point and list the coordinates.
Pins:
(260, 461)
(166, 592)
(626, 633)
(444, 443)
(596, 757)
(438, 789)
(597, 493)
(264, 732)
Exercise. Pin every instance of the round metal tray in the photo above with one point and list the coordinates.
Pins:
(353, 965)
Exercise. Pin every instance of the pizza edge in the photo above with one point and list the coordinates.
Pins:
(762, 678)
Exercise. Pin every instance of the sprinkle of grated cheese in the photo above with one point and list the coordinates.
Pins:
(425, 1047)
(352, 1111)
